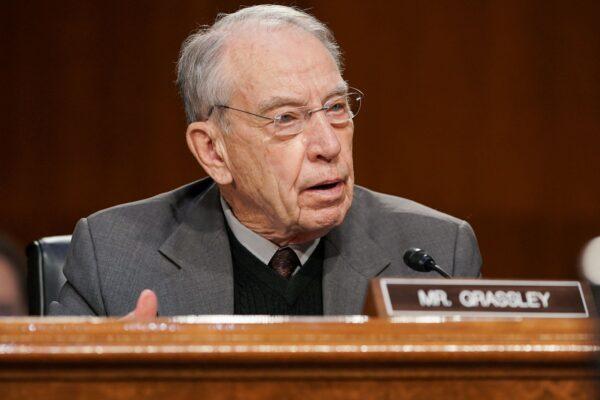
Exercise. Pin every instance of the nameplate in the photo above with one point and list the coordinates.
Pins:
(477, 298)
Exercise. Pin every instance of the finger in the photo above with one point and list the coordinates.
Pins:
(145, 309)
(147, 305)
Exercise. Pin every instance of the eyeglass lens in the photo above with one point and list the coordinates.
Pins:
(338, 111)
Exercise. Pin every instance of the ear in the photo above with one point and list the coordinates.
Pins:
(203, 140)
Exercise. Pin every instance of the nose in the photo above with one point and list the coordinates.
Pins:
(323, 143)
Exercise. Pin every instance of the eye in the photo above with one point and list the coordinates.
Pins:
(286, 118)
(338, 107)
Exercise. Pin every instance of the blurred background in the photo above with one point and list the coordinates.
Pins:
(486, 110)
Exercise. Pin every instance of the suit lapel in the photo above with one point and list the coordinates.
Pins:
(200, 248)
(352, 258)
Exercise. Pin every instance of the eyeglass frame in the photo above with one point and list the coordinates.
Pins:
(307, 114)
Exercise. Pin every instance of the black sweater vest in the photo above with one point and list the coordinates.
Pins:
(259, 290)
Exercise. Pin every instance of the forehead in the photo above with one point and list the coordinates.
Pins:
(284, 61)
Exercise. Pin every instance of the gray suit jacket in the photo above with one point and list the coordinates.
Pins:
(176, 244)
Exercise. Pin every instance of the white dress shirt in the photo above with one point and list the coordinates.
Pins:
(260, 247)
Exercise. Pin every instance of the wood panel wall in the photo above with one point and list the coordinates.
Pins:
(487, 110)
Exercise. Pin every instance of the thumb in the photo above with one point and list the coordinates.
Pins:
(146, 307)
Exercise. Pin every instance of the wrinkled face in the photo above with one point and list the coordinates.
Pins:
(289, 189)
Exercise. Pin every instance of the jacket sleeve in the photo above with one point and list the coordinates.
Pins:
(81, 294)
(467, 259)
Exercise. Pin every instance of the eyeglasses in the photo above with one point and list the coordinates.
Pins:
(292, 121)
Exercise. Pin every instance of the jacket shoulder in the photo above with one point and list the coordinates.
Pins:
(165, 208)
(117, 248)
(397, 224)
(383, 206)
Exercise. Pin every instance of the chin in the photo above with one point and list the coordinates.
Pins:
(325, 219)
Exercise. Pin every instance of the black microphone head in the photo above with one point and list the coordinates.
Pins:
(418, 260)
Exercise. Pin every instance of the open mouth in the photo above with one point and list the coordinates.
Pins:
(326, 186)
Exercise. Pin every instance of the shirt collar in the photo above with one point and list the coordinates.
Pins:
(260, 247)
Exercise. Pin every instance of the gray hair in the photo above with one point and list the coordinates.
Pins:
(200, 66)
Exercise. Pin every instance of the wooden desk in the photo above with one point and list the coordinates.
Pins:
(285, 358)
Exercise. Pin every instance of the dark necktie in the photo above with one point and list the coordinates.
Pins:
(284, 262)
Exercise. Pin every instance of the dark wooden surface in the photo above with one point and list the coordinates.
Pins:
(287, 358)
(488, 110)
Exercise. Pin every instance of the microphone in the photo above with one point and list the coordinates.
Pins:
(590, 261)
(590, 268)
(419, 260)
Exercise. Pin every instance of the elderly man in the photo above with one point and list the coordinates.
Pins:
(279, 226)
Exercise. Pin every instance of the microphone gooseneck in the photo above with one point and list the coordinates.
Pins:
(419, 260)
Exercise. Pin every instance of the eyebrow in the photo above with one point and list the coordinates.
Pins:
(278, 101)
(340, 90)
